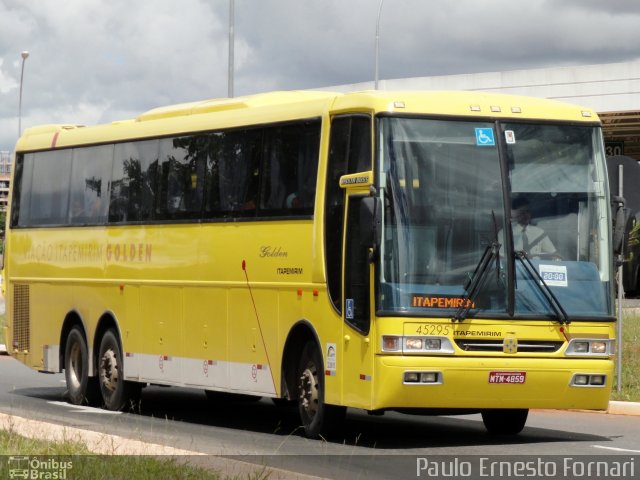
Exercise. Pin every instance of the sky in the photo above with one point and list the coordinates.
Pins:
(96, 61)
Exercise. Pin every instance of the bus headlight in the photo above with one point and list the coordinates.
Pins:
(587, 347)
(416, 345)
(422, 344)
(581, 347)
(413, 343)
(411, 377)
(422, 378)
(433, 344)
(588, 380)
(429, 377)
(581, 380)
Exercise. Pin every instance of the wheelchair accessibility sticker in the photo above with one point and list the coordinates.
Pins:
(484, 137)
(349, 314)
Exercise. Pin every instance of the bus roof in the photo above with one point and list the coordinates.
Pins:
(286, 106)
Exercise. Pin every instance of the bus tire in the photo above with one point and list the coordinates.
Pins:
(117, 394)
(505, 421)
(318, 418)
(81, 388)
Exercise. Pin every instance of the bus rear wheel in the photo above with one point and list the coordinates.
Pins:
(505, 421)
(317, 417)
(117, 394)
(81, 388)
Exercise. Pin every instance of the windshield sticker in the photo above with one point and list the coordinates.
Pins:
(554, 275)
(484, 137)
(441, 301)
(510, 137)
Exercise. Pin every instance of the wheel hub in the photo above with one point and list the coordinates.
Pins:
(109, 370)
(309, 392)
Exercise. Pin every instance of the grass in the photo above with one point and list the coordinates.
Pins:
(84, 464)
(630, 360)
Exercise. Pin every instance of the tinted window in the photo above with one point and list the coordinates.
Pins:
(290, 169)
(22, 190)
(259, 172)
(49, 202)
(233, 172)
(90, 177)
(135, 181)
(183, 162)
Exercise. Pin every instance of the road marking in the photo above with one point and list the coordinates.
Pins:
(616, 449)
(85, 409)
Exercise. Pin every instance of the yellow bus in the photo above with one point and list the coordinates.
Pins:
(424, 252)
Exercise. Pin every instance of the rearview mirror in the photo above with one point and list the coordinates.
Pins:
(370, 221)
(619, 227)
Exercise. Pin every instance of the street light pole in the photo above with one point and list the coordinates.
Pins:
(231, 45)
(24, 55)
(377, 44)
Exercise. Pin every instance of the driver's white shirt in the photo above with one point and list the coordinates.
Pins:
(538, 241)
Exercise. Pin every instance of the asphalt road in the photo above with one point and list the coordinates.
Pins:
(260, 432)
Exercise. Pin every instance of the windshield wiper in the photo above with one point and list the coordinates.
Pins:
(555, 304)
(477, 279)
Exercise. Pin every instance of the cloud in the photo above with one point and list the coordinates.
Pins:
(98, 61)
(7, 84)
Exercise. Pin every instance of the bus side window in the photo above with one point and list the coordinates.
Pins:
(290, 169)
(50, 188)
(134, 182)
(90, 176)
(182, 178)
(235, 178)
(20, 205)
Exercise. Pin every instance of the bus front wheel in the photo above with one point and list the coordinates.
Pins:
(317, 417)
(505, 421)
(81, 388)
(116, 392)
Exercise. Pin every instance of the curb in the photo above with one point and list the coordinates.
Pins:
(623, 408)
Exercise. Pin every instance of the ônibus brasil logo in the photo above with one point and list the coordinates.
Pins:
(34, 468)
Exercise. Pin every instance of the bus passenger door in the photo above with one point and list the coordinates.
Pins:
(358, 335)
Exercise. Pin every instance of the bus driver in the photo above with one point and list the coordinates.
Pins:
(527, 237)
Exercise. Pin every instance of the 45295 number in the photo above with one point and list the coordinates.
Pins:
(433, 329)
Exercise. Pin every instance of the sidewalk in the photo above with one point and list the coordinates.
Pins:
(623, 408)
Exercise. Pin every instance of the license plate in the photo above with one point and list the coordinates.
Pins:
(507, 377)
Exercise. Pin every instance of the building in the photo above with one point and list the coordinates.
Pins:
(5, 179)
(612, 90)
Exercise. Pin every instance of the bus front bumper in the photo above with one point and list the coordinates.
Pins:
(485, 382)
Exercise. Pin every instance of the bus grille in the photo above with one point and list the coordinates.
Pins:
(530, 346)
(21, 317)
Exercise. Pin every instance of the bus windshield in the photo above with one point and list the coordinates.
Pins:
(447, 200)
